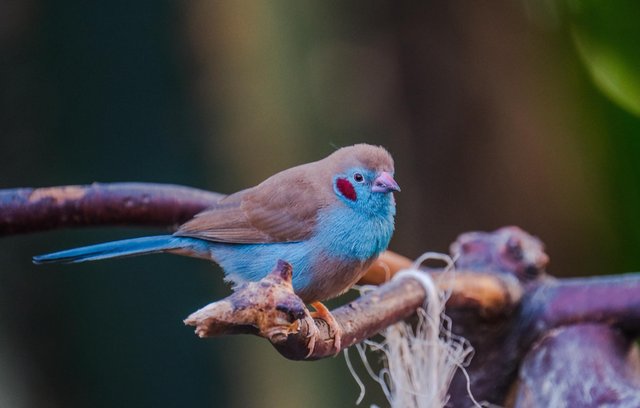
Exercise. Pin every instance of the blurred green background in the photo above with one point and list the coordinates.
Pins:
(504, 112)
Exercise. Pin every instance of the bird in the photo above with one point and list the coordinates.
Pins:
(330, 219)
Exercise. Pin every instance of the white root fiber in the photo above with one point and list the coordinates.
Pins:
(419, 359)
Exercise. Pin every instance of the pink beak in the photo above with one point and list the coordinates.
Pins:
(384, 183)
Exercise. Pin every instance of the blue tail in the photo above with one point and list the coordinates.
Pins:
(128, 247)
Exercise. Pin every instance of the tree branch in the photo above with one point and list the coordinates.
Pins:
(269, 308)
(39, 209)
(590, 364)
(501, 299)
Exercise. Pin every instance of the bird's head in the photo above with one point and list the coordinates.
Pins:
(363, 178)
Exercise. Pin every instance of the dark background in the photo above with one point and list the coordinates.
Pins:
(504, 112)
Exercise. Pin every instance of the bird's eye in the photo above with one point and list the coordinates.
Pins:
(359, 178)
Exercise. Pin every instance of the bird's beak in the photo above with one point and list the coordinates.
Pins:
(384, 183)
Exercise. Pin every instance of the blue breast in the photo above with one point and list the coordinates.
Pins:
(344, 240)
(252, 262)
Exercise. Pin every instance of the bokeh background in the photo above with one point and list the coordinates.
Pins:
(505, 112)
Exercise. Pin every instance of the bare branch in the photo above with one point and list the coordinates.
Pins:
(40, 209)
(613, 300)
(546, 306)
(501, 300)
(269, 308)
(589, 365)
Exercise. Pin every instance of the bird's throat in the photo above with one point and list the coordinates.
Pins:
(350, 234)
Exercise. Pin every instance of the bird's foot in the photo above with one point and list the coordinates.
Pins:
(335, 330)
(313, 333)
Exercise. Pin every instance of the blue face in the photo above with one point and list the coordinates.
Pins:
(360, 188)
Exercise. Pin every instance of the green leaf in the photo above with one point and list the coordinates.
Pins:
(607, 37)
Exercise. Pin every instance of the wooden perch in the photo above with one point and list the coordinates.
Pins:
(501, 298)
(269, 308)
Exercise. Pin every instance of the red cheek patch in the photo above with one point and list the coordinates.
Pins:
(346, 189)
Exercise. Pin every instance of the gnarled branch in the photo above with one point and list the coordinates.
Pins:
(504, 307)
(269, 308)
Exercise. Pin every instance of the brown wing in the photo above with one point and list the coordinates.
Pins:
(283, 208)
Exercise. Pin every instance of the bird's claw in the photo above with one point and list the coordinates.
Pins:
(334, 328)
(312, 331)
(312, 335)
